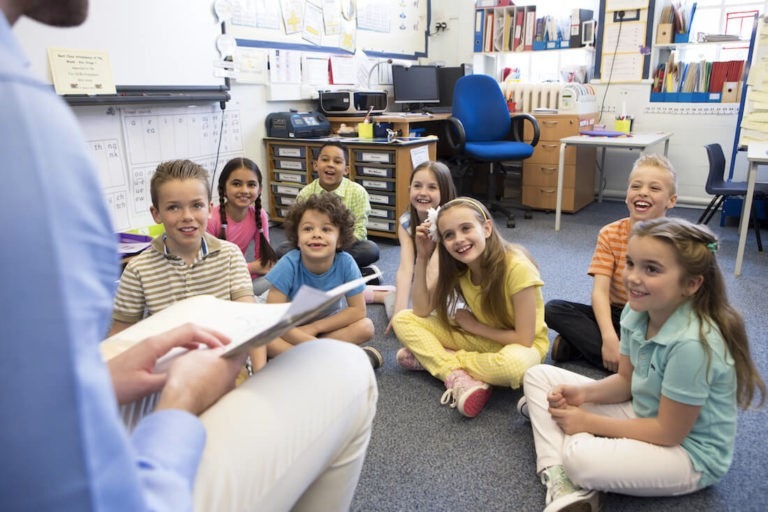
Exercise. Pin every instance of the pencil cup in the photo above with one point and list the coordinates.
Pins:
(365, 130)
(623, 125)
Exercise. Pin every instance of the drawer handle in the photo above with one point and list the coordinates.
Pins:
(549, 170)
(549, 146)
(553, 123)
(547, 190)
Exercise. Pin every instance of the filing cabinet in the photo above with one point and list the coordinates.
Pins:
(540, 170)
(383, 169)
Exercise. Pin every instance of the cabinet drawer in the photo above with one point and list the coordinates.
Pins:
(382, 213)
(377, 171)
(554, 127)
(545, 175)
(371, 184)
(290, 164)
(547, 151)
(382, 157)
(289, 151)
(285, 189)
(291, 177)
(545, 198)
(380, 225)
(382, 198)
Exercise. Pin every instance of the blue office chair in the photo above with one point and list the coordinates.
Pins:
(720, 189)
(481, 129)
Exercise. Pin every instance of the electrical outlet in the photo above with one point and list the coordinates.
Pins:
(609, 108)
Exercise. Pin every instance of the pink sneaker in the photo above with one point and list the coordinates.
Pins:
(407, 361)
(466, 394)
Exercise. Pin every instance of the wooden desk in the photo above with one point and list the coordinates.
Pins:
(757, 155)
(401, 122)
(635, 141)
(382, 168)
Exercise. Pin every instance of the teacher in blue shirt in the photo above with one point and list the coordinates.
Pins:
(292, 436)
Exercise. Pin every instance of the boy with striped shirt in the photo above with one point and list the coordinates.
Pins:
(185, 261)
(591, 331)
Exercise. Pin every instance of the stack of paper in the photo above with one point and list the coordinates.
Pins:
(754, 123)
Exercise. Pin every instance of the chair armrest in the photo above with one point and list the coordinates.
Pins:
(518, 124)
(455, 135)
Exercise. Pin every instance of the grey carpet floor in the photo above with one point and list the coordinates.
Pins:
(426, 456)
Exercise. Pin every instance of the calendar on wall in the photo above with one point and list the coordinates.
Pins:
(127, 143)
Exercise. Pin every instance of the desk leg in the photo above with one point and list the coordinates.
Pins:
(560, 173)
(746, 211)
(666, 147)
(601, 175)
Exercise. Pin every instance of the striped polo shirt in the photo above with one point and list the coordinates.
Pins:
(610, 258)
(156, 279)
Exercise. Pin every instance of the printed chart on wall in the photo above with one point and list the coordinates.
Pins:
(623, 57)
(128, 143)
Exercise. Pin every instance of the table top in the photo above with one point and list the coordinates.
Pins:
(356, 141)
(634, 140)
(758, 153)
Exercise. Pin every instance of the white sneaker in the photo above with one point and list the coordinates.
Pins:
(563, 495)
(522, 408)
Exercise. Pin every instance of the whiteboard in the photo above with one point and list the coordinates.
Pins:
(155, 43)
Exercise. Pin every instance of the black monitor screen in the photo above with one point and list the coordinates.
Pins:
(415, 84)
(446, 79)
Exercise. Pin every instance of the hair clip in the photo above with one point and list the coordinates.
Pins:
(432, 219)
(713, 246)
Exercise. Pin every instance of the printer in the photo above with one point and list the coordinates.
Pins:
(352, 103)
(299, 125)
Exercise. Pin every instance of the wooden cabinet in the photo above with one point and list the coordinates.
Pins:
(540, 170)
(382, 168)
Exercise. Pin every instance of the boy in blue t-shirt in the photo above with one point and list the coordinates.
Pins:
(319, 227)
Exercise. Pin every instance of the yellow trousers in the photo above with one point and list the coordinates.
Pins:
(484, 359)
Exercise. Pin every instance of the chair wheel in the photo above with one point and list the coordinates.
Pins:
(510, 223)
(528, 215)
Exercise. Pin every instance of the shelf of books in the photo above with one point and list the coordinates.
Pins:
(515, 28)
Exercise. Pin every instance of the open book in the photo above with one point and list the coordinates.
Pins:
(248, 325)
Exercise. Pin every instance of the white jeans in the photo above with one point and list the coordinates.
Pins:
(625, 466)
(291, 437)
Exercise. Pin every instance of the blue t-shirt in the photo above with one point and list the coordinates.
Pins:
(289, 274)
(676, 364)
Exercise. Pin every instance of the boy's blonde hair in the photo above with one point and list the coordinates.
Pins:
(177, 170)
(659, 162)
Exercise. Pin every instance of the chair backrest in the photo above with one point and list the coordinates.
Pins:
(716, 176)
(479, 104)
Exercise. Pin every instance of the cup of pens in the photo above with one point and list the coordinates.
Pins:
(623, 124)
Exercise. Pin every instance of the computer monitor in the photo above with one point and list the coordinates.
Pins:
(415, 86)
(446, 80)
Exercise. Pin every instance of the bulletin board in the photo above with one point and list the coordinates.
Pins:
(150, 43)
(128, 142)
(379, 28)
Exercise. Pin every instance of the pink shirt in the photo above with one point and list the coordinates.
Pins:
(241, 233)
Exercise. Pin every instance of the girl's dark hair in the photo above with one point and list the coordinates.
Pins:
(444, 182)
(267, 254)
(695, 247)
(329, 204)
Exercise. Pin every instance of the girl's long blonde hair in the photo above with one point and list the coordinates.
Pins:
(494, 258)
(695, 247)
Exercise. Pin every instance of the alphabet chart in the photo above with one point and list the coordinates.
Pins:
(127, 144)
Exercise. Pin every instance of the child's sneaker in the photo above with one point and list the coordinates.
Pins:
(562, 494)
(522, 408)
(466, 394)
(371, 270)
(374, 356)
(406, 360)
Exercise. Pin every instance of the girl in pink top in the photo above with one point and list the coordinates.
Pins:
(240, 219)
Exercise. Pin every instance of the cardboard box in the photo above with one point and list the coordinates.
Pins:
(730, 92)
(664, 33)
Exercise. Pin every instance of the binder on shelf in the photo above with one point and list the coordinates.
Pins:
(519, 24)
(498, 30)
(509, 27)
(578, 17)
(530, 27)
(488, 43)
(479, 28)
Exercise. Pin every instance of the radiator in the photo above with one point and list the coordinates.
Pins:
(528, 96)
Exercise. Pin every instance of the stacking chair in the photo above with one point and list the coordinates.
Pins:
(481, 130)
(720, 189)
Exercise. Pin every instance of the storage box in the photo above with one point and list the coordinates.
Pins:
(664, 33)
(730, 92)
